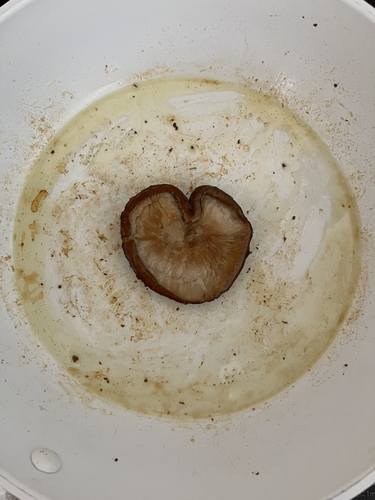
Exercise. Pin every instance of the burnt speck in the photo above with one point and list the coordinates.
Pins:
(175, 126)
(133, 96)
(285, 322)
(238, 141)
(181, 402)
(294, 217)
(135, 85)
(284, 238)
(335, 85)
(106, 379)
(234, 353)
(283, 165)
(122, 325)
(284, 358)
(115, 459)
(315, 25)
(346, 365)
(59, 286)
(75, 358)
(146, 121)
(191, 147)
(145, 380)
(170, 150)
(177, 308)
(99, 362)
(41, 284)
(52, 151)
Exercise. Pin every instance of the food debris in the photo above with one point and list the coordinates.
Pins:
(38, 200)
(200, 227)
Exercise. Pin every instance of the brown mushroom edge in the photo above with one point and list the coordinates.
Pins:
(188, 208)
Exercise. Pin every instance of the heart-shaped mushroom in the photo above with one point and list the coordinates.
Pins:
(190, 250)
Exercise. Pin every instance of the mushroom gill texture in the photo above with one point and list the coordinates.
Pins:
(190, 250)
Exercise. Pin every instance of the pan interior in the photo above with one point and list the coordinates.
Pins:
(148, 353)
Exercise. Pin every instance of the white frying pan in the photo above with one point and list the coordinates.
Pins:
(316, 439)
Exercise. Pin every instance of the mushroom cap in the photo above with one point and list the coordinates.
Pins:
(190, 250)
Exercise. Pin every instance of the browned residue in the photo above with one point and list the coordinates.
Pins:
(101, 236)
(38, 200)
(29, 286)
(67, 245)
(61, 167)
(33, 230)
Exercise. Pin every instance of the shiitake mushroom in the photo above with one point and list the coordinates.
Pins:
(190, 250)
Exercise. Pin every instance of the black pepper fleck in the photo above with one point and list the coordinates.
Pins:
(315, 25)
(335, 85)
(75, 358)
(175, 126)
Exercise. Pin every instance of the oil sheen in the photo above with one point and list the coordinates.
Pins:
(144, 351)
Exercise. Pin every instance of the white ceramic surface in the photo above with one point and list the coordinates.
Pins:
(313, 441)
